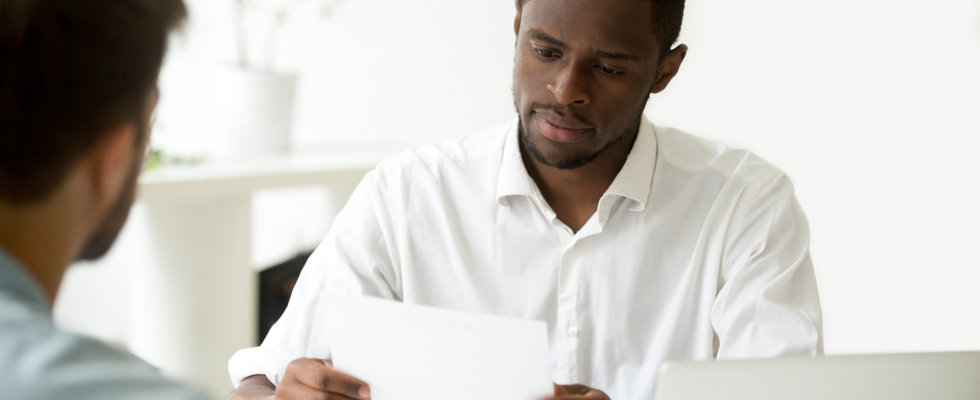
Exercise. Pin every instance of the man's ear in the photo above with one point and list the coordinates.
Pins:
(517, 19)
(109, 161)
(669, 66)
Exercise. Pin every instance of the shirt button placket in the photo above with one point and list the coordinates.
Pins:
(568, 314)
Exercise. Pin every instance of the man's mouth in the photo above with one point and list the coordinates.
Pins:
(561, 130)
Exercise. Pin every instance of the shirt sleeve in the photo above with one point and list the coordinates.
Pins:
(43, 363)
(354, 258)
(768, 304)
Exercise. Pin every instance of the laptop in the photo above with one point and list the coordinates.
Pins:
(945, 376)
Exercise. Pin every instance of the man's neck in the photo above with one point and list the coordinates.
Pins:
(574, 194)
(41, 241)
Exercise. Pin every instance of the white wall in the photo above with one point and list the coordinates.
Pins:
(871, 106)
(376, 73)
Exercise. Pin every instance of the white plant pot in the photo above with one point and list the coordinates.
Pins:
(253, 112)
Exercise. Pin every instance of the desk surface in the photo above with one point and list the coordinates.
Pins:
(229, 178)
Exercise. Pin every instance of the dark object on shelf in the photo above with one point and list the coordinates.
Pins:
(275, 286)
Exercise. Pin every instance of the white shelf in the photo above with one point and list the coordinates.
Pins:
(192, 274)
(232, 178)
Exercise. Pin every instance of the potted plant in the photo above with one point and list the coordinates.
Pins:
(253, 99)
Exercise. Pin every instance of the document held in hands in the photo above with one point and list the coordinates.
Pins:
(411, 352)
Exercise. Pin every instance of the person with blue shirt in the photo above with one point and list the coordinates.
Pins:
(77, 89)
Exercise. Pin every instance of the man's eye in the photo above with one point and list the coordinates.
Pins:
(544, 53)
(608, 70)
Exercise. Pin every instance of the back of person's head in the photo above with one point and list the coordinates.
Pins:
(71, 70)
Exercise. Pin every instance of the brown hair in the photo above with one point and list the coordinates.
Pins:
(70, 70)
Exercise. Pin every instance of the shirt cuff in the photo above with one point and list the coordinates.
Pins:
(258, 361)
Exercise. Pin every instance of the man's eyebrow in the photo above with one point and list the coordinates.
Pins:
(540, 35)
(615, 55)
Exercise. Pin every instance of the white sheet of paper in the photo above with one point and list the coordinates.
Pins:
(411, 352)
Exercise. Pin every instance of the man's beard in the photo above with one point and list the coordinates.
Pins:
(576, 160)
(101, 240)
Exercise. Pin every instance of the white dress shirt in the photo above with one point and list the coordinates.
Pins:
(695, 251)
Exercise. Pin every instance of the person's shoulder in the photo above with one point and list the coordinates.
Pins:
(40, 361)
(476, 147)
(14, 311)
(694, 154)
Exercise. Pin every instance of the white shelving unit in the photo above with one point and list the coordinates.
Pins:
(193, 290)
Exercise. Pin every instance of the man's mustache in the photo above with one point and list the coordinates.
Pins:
(562, 111)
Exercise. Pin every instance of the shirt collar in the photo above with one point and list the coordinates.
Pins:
(15, 281)
(513, 179)
(633, 181)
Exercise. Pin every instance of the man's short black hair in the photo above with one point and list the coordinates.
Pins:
(667, 18)
(70, 70)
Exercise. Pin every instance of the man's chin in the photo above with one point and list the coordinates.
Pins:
(549, 153)
(93, 251)
(100, 243)
(105, 235)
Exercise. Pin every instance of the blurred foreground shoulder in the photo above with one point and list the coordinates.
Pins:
(38, 361)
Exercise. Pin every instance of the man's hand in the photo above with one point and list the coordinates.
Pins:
(305, 379)
(577, 392)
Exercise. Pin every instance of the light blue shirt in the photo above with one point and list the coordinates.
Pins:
(38, 361)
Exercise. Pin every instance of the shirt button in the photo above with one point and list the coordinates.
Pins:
(573, 331)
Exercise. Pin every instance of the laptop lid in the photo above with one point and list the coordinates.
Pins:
(948, 376)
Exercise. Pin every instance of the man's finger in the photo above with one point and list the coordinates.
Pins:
(325, 378)
(593, 395)
(575, 389)
(577, 392)
(308, 393)
(328, 379)
(558, 389)
(341, 383)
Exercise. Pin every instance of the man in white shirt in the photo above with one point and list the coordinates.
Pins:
(77, 88)
(636, 244)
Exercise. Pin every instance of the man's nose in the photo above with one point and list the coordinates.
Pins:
(572, 86)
